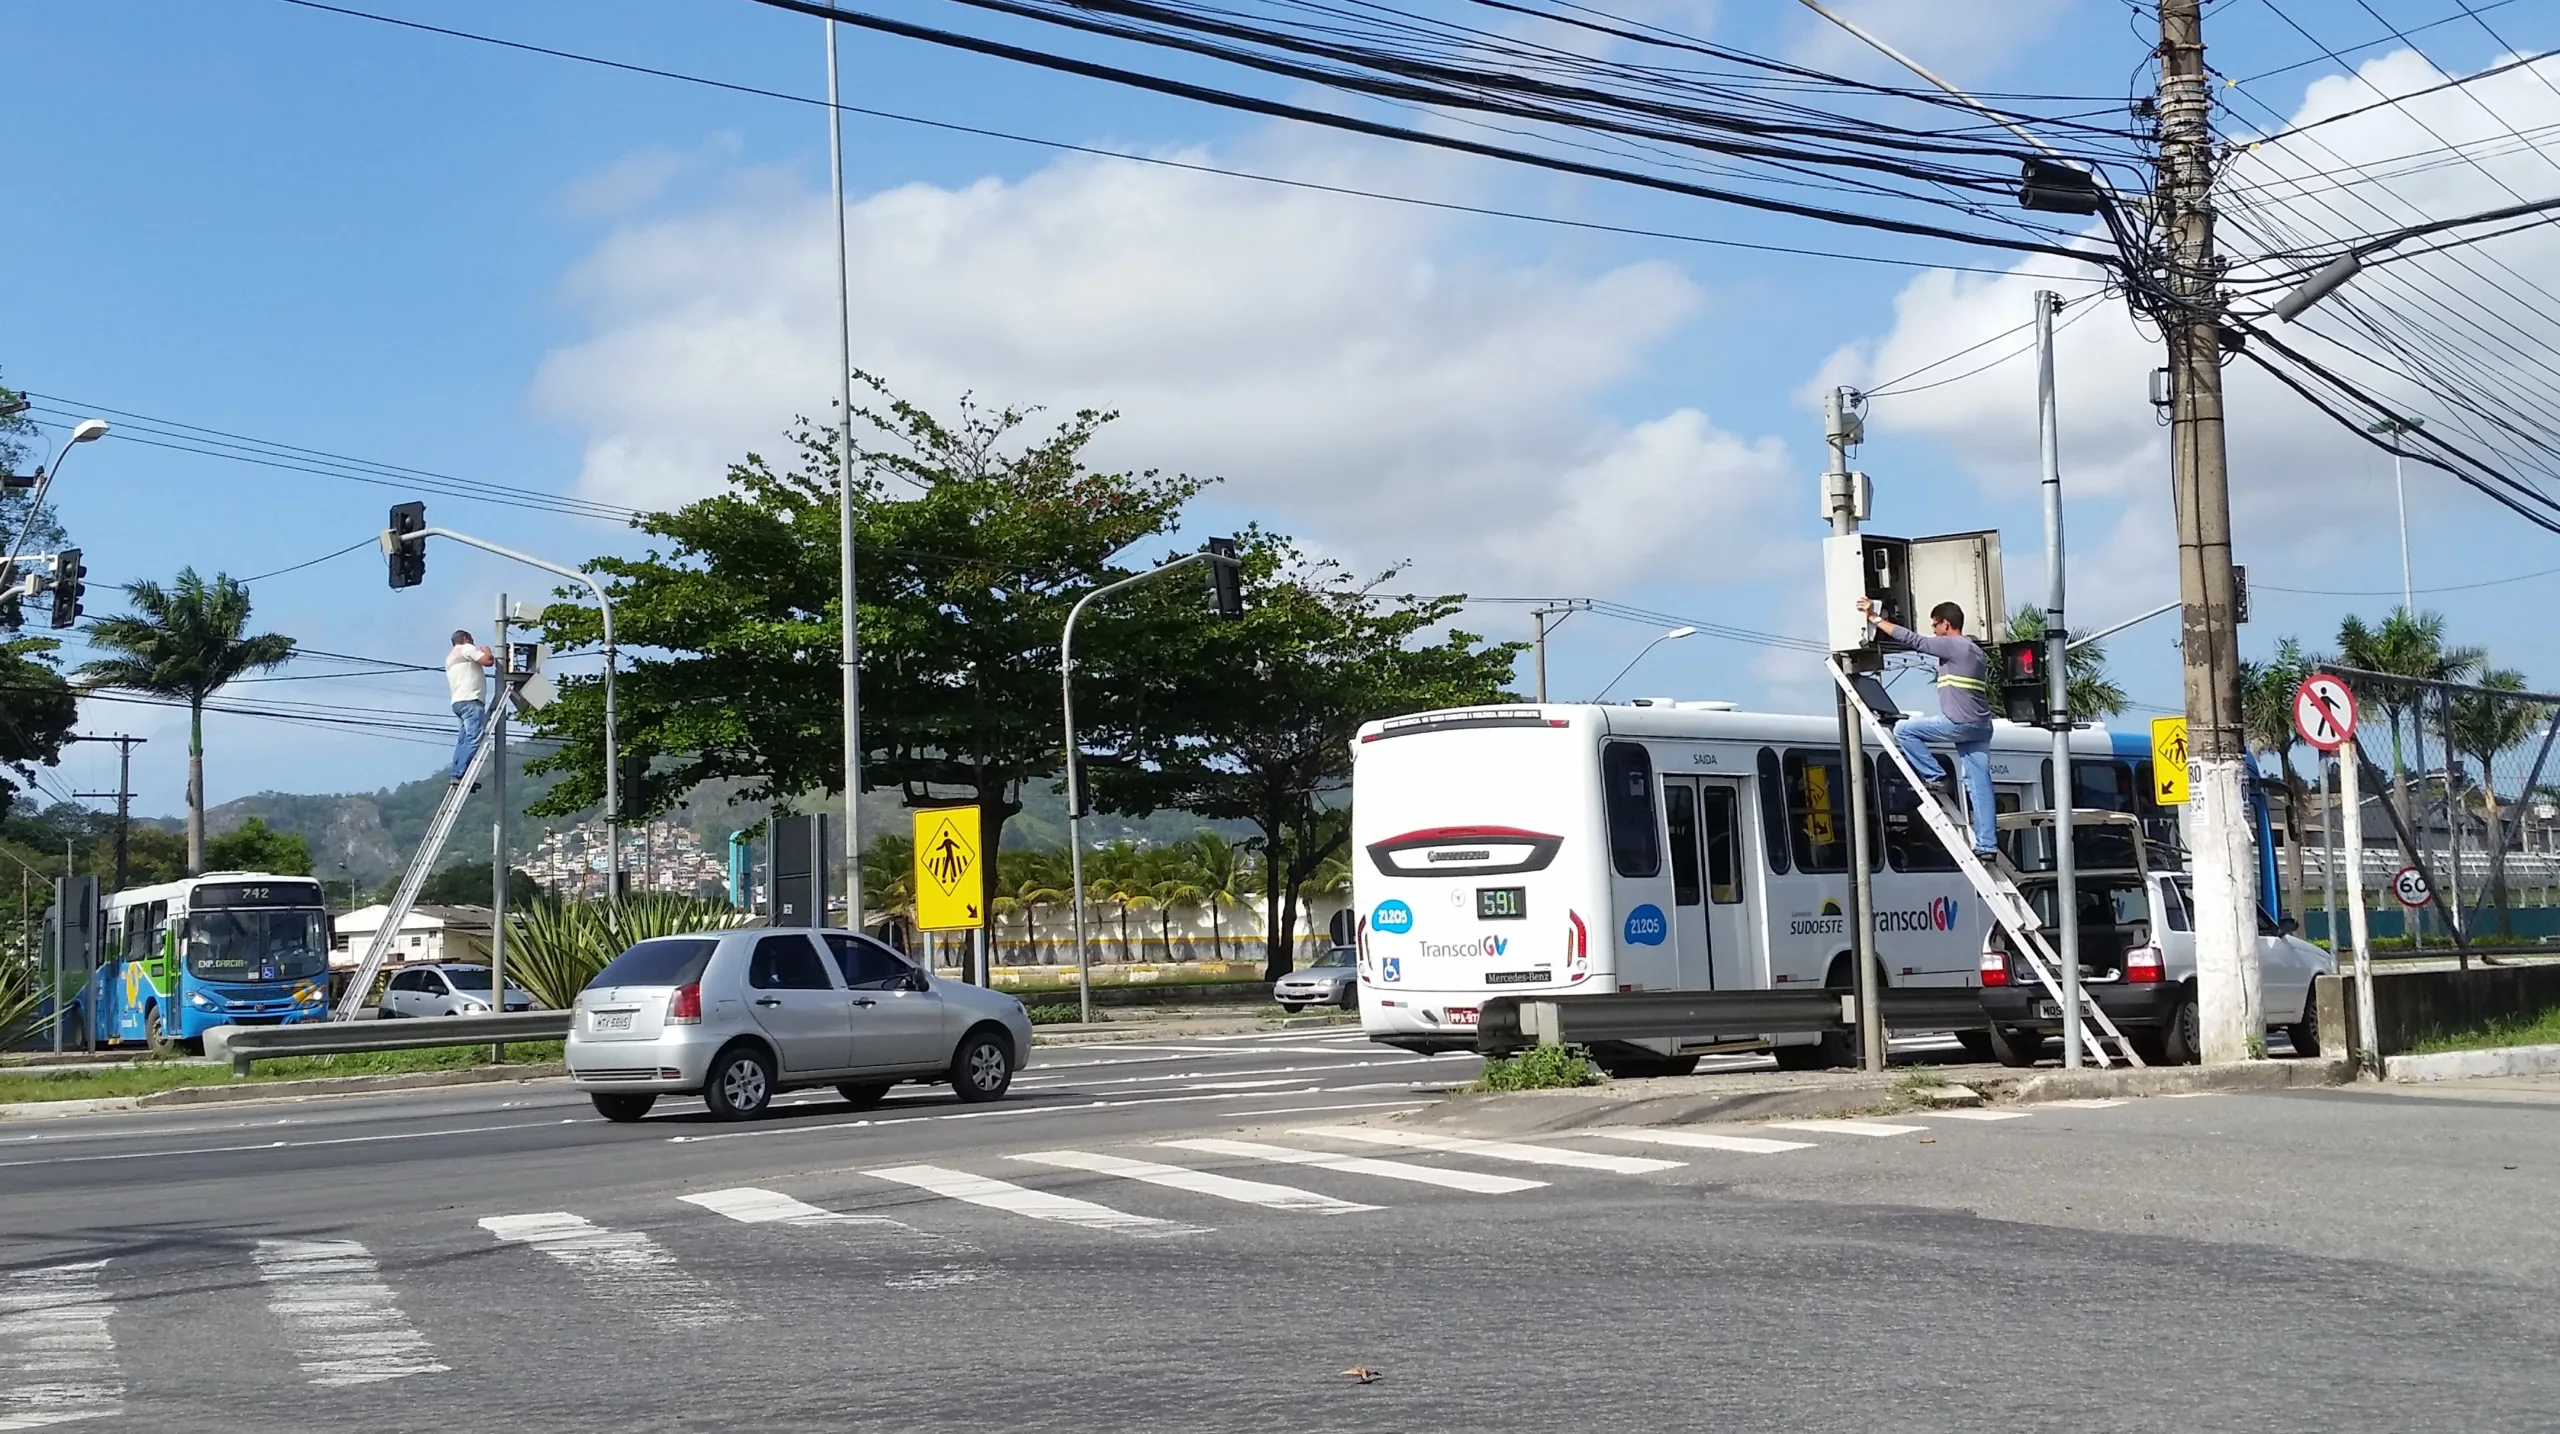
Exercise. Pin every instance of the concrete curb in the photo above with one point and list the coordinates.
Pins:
(2471, 1065)
(285, 1090)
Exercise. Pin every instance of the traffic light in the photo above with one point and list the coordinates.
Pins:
(70, 584)
(11, 613)
(631, 787)
(2057, 189)
(407, 556)
(2024, 697)
(1226, 582)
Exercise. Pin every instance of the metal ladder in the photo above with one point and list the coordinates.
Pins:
(2000, 896)
(431, 846)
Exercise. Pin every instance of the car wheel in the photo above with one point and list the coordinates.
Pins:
(2013, 1046)
(982, 1069)
(1977, 1044)
(622, 1108)
(1350, 998)
(863, 1097)
(385, 1013)
(2181, 1044)
(2305, 1033)
(741, 1084)
(1292, 1007)
(1802, 1058)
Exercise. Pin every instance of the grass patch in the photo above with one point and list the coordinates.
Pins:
(2542, 1030)
(1540, 1068)
(1058, 1015)
(1917, 1083)
(148, 1077)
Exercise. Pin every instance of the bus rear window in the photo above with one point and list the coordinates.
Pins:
(667, 961)
(1626, 780)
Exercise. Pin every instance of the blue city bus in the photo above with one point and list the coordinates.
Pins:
(235, 948)
(2125, 785)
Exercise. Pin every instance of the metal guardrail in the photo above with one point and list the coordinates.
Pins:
(244, 1044)
(1505, 1024)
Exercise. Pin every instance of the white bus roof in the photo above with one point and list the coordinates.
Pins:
(1666, 717)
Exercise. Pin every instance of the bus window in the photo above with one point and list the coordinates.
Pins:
(1680, 813)
(1773, 812)
(1723, 824)
(1908, 842)
(1817, 811)
(1626, 780)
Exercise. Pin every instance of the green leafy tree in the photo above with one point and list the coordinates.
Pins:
(38, 709)
(2405, 644)
(1253, 719)
(2092, 692)
(255, 846)
(1223, 870)
(186, 641)
(1026, 881)
(2266, 721)
(21, 451)
(977, 540)
(2486, 726)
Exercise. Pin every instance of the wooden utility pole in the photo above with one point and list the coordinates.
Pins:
(2219, 833)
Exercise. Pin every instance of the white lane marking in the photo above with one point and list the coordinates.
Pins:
(1705, 1140)
(1495, 1149)
(1198, 1182)
(1037, 1204)
(2189, 1094)
(1848, 1127)
(1061, 1108)
(285, 1144)
(339, 1315)
(1247, 1084)
(2096, 1103)
(57, 1347)
(751, 1205)
(1967, 1114)
(623, 1267)
(1467, 1180)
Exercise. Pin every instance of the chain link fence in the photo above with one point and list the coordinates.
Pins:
(2461, 816)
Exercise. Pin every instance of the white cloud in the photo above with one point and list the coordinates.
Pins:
(2307, 495)
(1964, 41)
(1355, 370)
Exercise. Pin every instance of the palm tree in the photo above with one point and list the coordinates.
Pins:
(2266, 721)
(1224, 872)
(2092, 692)
(2405, 645)
(1176, 883)
(183, 641)
(1116, 874)
(2485, 725)
(1025, 882)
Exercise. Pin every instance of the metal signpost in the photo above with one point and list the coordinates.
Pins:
(2324, 715)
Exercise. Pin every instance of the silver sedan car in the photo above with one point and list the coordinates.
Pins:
(737, 1016)
(1333, 981)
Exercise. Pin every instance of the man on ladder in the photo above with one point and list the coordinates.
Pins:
(1964, 720)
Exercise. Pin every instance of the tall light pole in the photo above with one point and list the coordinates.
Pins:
(848, 650)
(1674, 635)
(2395, 429)
(88, 430)
(2066, 786)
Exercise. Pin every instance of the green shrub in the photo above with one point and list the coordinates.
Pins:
(555, 948)
(1057, 1015)
(1540, 1068)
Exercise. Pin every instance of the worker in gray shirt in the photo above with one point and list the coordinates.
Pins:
(1964, 706)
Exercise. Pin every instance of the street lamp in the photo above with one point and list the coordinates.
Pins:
(2395, 429)
(1674, 635)
(89, 429)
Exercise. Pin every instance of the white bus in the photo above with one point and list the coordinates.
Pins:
(1658, 846)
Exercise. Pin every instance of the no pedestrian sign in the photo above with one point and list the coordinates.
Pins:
(948, 890)
(2324, 712)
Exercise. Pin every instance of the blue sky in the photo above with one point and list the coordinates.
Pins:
(260, 218)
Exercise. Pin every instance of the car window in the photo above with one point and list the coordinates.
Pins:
(1340, 957)
(432, 982)
(786, 963)
(2174, 904)
(867, 965)
(665, 961)
(475, 978)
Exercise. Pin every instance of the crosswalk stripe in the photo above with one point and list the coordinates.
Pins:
(1494, 1149)
(1847, 1127)
(1198, 1182)
(2093, 1103)
(1976, 1114)
(1037, 1204)
(751, 1205)
(57, 1347)
(1467, 1180)
(345, 1326)
(623, 1266)
(1706, 1140)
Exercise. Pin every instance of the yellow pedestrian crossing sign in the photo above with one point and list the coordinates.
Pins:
(949, 893)
(2169, 769)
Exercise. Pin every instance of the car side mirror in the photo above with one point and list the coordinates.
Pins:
(917, 980)
(2288, 927)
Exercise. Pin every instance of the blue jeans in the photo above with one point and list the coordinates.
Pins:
(474, 716)
(1973, 762)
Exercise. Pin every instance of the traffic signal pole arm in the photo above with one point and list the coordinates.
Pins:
(391, 543)
(1075, 769)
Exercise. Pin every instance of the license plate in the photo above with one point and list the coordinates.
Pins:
(2048, 1011)
(1462, 1015)
(610, 1021)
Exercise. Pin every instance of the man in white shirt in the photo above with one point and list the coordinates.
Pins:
(465, 679)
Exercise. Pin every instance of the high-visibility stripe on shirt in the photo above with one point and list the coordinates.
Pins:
(1969, 684)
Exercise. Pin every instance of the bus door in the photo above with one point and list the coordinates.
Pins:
(1711, 928)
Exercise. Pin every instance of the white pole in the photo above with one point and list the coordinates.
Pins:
(848, 644)
(498, 830)
(2400, 494)
(2058, 685)
(2351, 792)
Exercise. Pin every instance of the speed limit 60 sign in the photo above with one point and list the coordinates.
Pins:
(2410, 885)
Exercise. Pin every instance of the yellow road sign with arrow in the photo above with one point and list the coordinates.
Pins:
(949, 891)
(2170, 768)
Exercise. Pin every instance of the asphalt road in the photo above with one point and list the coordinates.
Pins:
(2319, 1260)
